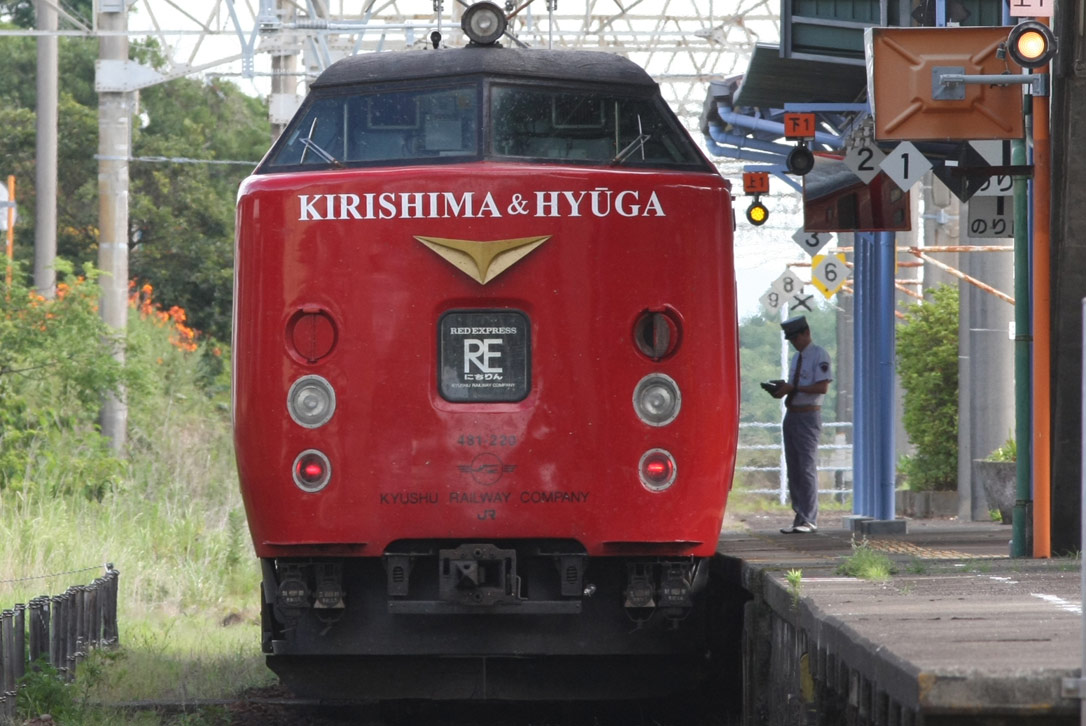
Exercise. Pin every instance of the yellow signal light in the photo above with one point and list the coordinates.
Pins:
(1031, 44)
(757, 214)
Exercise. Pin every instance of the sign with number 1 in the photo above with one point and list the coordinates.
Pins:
(905, 165)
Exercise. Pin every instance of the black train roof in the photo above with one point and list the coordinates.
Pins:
(566, 65)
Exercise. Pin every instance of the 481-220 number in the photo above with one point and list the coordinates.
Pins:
(487, 440)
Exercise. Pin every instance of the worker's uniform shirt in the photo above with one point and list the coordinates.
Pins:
(802, 429)
(814, 368)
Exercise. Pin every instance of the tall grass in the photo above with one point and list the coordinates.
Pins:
(168, 515)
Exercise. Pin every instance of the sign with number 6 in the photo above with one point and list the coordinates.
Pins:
(829, 272)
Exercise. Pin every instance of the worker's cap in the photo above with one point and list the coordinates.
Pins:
(794, 326)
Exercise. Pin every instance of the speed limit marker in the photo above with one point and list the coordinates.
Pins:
(864, 161)
(828, 273)
(788, 284)
(771, 301)
(812, 242)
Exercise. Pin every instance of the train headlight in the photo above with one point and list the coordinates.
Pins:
(312, 470)
(657, 399)
(311, 401)
(657, 469)
(484, 23)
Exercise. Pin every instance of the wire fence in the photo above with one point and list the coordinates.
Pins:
(835, 460)
(60, 629)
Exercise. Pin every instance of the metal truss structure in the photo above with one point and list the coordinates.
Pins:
(682, 43)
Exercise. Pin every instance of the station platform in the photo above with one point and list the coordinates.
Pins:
(960, 633)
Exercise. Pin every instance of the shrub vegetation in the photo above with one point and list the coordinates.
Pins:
(927, 362)
(168, 515)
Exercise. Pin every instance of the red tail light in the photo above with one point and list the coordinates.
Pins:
(657, 470)
(312, 470)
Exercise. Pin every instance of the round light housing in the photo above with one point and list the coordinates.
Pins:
(800, 160)
(757, 213)
(657, 470)
(311, 401)
(312, 470)
(484, 23)
(657, 399)
(1031, 44)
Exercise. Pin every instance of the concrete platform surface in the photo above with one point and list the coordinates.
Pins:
(959, 629)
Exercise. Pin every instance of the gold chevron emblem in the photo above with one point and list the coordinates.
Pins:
(483, 261)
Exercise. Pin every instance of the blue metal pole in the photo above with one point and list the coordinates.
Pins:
(870, 373)
(884, 374)
(859, 401)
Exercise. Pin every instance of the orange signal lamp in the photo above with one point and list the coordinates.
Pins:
(1031, 44)
(757, 214)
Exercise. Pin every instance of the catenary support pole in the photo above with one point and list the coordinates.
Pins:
(45, 220)
(114, 142)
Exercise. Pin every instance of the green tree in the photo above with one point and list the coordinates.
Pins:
(760, 344)
(181, 214)
(21, 12)
(927, 363)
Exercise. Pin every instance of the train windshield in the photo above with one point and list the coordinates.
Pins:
(390, 126)
(537, 122)
(585, 125)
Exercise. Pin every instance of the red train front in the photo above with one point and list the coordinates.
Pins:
(486, 379)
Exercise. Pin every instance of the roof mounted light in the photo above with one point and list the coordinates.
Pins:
(1031, 44)
(484, 23)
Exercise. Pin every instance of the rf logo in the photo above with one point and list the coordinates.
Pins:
(480, 356)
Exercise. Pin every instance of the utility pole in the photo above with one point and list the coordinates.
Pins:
(45, 228)
(284, 91)
(114, 142)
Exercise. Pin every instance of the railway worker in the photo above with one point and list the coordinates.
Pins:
(809, 377)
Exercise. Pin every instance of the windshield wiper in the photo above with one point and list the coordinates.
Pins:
(311, 145)
(630, 148)
(316, 149)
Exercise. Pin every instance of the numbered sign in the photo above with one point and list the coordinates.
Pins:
(799, 125)
(864, 161)
(756, 182)
(812, 242)
(1031, 8)
(788, 284)
(800, 304)
(991, 217)
(772, 301)
(828, 273)
(905, 165)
